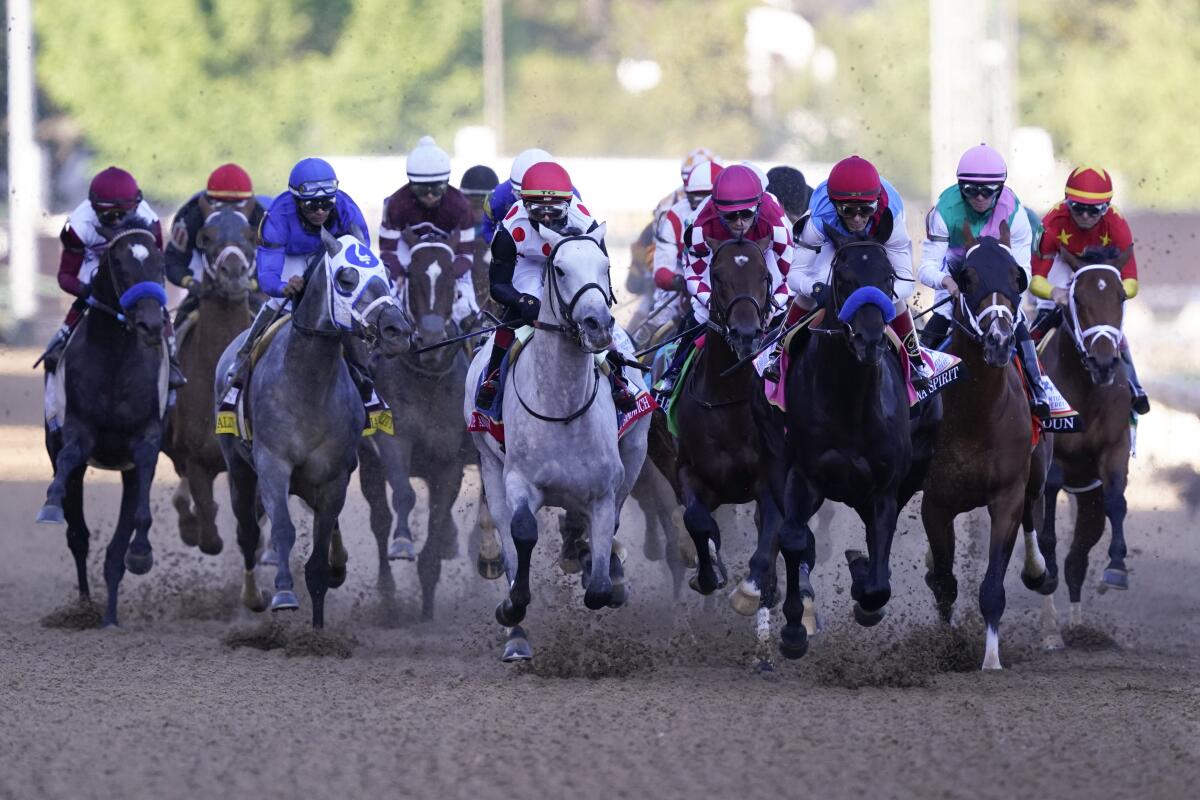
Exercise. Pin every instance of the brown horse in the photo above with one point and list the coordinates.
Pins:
(984, 456)
(227, 242)
(1083, 357)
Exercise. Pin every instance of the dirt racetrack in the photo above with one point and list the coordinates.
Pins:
(658, 699)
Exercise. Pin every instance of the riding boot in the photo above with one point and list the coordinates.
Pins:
(235, 378)
(771, 372)
(666, 384)
(918, 372)
(934, 334)
(54, 350)
(1141, 403)
(1039, 404)
(624, 398)
(175, 378)
(485, 396)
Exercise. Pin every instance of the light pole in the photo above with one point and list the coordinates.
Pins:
(493, 69)
(24, 174)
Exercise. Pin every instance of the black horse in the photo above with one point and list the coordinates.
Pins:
(114, 414)
(850, 432)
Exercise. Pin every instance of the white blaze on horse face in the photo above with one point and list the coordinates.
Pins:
(741, 261)
(1102, 285)
(139, 252)
(435, 272)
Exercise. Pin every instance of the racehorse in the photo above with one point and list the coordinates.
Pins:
(112, 374)
(729, 443)
(227, 243)
(425, 392)
(307, 417)
(850, 430)
(561, 445)
(984, 451)
(1084, 360)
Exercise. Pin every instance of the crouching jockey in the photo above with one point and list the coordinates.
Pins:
(1086, 219)
(738, 208)
(519, 255)
(290, 239)
(113, 197)
(853, 200)
(981, 201)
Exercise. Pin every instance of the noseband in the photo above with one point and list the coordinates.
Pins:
(1102, 331)
(566, 309)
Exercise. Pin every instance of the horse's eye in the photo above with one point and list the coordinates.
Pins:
(559, 271)
(347, 280)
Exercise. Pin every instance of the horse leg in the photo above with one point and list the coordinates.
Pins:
(1116, 576)
(602, 522)
(643, 492)
(78, 441)
(1047, 537)
(939, 576)
(796, 543)
(77, 530)
(573, 527)
(1089, 527)
(442, 533)
(489, 562)
(140, 557)
(243, 497)
(524, 499)
(200, 480)
(274, 481)
(702, 528)
(330, 500)
(1005, 512)
(374, 489)
(491, 470)
(338, 557)
(118, 546)
(396, 455)
(189, 526)
(871, 585)
(758, 590)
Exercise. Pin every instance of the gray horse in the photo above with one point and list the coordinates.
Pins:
(307, 417)
(425, 392)
(561, 433)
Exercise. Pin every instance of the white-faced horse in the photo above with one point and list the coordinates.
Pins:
(561, 445)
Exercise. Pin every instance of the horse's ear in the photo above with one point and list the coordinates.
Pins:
(834, 235)
(408, 236)
(1070, 258)
(968, 237)
(765, 243)
(332, 245)
(598, 232)
(359, 234)
(247, 206)
(711, 244)
(887, 223)
(551, 236)
(1005, 234)
(206, 208)
(1124, 258)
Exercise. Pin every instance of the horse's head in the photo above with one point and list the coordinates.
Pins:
(1096, 309)
(431, 285)
(578, 292)
(990, 283)
(741, 292)
(227, 242)
(130, 278)
(360, 297)
(861, 291)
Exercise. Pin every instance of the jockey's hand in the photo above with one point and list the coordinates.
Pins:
(678, 284)
(818, 293)
(528, 307)
(294, 287)
(951, 286)
(1060, 295)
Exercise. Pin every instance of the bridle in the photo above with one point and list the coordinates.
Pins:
(230, 250)
(719, 317)
(404, 298)
(835, 301)
(564, 309)
(974, 329)
(1102, 331)
(130, 296)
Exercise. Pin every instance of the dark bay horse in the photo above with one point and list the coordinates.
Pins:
(227, 243)
(1084, 360)
(729, 447)
(850, 431)
(425, 392)
(984, 453)
(308, 417)
(114, 412)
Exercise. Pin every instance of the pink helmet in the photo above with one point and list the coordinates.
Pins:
(701, 179)
(982, 164)
(114, 188)
(736, 188)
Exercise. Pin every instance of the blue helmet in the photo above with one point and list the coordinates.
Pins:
(313, 177)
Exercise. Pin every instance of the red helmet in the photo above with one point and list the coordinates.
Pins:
(702, 177)
(229, 182)
(1090, 185)
(546, 182)
(114, 188)
(736, 188)
(854, 178)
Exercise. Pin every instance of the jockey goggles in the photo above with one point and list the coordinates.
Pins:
(435, 189)
(323, 188)
(744, 213)
(317, 204)
(1087, 209)
(851, 210)
(546, 211)
(984, 190)
(111, 216)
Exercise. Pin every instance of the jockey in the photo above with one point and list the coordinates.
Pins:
(113, 196)
(668, 241)
(855, 199)
(738, 208)
(428, 206)
(1085, 219)
(694, 158)
(981, 200)
(227, 185)
(502, 198)
(477, 183)
(519, 255)
(792, 192)
(290, 237)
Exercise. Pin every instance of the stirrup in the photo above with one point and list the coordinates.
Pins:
(1140, 404)
(919, 373)
(486, 394)
(176, 379)
(623, 399)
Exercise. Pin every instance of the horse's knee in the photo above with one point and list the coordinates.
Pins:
(1115, 505)
(524, 527)
(698, 519)
(991, 600)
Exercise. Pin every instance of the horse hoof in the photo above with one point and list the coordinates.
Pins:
(620, 595)
(284, 600)
(793, 642)
(745, 599)
(401, 549)
(1052, 642)
(489, 568)
(268, 558)
(212, 546)
(597, 600)
(1115, 579)
(51, 515)
(189, 532)
(337, 576)
(139, 563)
(256, 601)
(569, 565)
(509, 615)
(1049, 586)
(1034, 584)
(868, 619)
(517, 647)
(699, 587)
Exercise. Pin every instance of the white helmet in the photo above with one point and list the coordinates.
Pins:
(700, 178)
(757, 170)
(524, 160)
(694, 159)
(428, 163)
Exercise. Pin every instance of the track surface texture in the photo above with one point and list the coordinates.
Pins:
(194, 697)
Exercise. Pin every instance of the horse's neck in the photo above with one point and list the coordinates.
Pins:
(855, 385)
(561, 370)
(716, 357)
(217, 313)
(984, 385)
(315, 359)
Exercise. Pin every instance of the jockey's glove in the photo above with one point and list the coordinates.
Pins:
(678, 284)
(528, 307)
(818, 293)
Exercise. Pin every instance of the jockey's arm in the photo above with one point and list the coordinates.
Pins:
(933, 250)
(70, 262)
(178, 255)
(802, 275)
(780, 255)
(899, 250)
(1122, 238)
(1021, 242)
(464, 252)
(668, 250)
(504, 264)
(270, 256)
(389, 242)
(697, 256)
(1042, 262)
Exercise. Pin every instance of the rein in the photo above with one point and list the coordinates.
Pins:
(835, 303)
(566, 309)
(126, 299)
(570, 417)
(975, 332)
